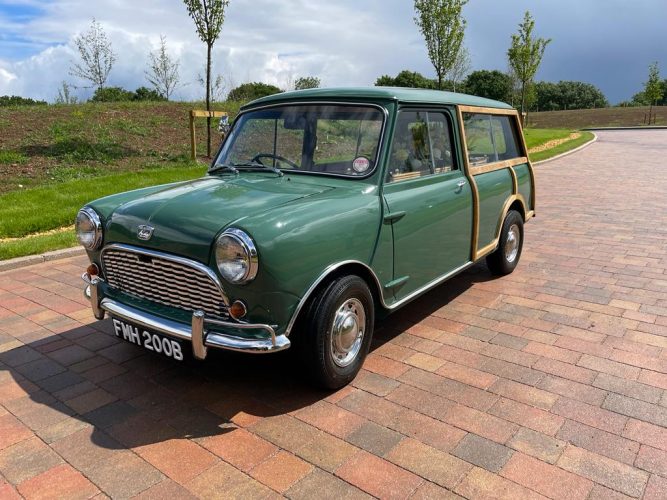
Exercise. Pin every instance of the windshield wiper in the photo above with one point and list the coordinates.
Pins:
(256, 164)
(220, 167)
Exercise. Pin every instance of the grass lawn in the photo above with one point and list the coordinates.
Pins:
(536, 137)
(23, 213)
(35, 245)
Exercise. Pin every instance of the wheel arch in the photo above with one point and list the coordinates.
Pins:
(519, 206)
(330, 273)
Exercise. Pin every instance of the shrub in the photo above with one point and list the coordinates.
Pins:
(307, 82)
(15, 100)
(405, 78)
(119, 94)
(146, 94)
(252, 91)
(112, 94)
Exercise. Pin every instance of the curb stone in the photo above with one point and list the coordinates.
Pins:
(638, 127)
(29, 260)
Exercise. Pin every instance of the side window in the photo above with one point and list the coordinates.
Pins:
(422, 146)
(490, 138)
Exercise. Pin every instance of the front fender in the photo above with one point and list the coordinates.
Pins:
(297, 242)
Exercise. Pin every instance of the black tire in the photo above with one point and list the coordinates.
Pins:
(346, 299)
(506, 257)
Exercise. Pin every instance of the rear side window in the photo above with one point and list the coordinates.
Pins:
(422, 145)
(490, 138)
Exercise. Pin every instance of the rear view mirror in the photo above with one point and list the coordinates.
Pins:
(224, 126)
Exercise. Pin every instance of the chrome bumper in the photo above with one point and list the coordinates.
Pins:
(196, 333)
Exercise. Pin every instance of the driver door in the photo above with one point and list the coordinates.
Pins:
(429, 202)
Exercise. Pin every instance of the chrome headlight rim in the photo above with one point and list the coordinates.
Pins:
(248, 245)
(97, 224)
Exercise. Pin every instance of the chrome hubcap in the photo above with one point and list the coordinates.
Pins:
(512, 243)
(347, 332)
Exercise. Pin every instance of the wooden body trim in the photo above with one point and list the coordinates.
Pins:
(477, 253)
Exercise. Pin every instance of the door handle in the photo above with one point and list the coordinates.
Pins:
(459, 186)
(393, 217)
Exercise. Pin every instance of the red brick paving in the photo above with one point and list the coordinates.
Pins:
(548, 383)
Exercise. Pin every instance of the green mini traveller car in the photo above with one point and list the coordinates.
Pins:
(323, 210)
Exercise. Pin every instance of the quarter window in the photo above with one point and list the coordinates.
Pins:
(490, 138)
(422, 145)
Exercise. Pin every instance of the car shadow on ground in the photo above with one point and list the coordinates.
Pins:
(127, 397)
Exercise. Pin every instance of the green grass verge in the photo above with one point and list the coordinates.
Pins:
(36, 244)
(53, 206)
(562, 148)
(538, 136)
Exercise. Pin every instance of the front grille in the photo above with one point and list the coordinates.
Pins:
(174, 283)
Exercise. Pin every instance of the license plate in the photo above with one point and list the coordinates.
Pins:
(149, 340)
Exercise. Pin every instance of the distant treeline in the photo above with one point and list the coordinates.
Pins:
(15, 100)
(542, 96)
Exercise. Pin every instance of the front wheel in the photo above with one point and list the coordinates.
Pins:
(507, 255)
(339, 328)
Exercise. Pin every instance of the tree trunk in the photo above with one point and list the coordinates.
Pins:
(439, 81)
(523, 97)
(208, 99)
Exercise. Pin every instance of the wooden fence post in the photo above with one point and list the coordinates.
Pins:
(195, 113)
(193, 137)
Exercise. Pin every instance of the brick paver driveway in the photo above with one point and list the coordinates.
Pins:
(549, 382)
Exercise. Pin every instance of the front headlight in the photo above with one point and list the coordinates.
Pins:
(236, 256)
(88, 228)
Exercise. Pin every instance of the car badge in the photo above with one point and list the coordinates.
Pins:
(145, 232)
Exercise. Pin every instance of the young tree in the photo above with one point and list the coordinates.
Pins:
(653, 88)
(65, 95)
(97, 56)
(443, 27)
(460, 68)
(162, 70)
(307, 82)
(208, 16)
(218, 86)
(525, 55)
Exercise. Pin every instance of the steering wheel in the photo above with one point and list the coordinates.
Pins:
(258, 157)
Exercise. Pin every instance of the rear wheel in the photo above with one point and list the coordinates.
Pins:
(338, 331)
(506, 257)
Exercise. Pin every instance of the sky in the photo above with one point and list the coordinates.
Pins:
(608, 43)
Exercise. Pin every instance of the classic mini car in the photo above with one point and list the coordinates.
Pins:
(323, 210)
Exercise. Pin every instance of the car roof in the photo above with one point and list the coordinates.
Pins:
(400, 94)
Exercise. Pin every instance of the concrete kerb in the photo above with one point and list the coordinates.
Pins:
(639, 127)
(11, 264)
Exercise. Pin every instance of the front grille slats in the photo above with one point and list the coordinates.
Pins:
(166, 282)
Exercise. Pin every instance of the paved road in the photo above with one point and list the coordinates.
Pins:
(550, 382)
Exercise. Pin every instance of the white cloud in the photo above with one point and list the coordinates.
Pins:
(344, 42)
(273, 41)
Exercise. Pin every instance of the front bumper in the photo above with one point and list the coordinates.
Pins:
(198, 332)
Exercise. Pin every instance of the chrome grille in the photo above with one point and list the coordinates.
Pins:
(176, 283)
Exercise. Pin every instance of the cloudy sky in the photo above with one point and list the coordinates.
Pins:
(609, 43)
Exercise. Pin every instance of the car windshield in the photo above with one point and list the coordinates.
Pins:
(314, 138)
